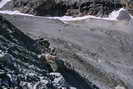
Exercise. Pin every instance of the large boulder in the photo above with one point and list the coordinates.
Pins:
(124, 15)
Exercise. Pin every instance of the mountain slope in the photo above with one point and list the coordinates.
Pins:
(100, 53)
(20, 67)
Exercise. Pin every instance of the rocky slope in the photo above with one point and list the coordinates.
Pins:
(20, 67)
(90, 53)
(102, 53)
(65, 7)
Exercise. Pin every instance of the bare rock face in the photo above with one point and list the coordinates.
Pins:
(124, 15)
(61, 7)
(128, 4)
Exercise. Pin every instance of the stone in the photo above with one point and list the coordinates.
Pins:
(124, 15)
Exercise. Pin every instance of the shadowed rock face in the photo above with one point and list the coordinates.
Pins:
(18, 61)
(19, 66)
(60, 7)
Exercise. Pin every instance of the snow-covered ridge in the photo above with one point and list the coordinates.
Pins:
(4, 2)
(70, 18)
(113, 16)
(14, 13)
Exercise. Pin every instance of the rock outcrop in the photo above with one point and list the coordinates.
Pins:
(128, 4)
(19, 66)
(124, 16)
(65, 7)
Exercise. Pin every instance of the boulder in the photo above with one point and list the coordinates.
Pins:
(124, 15)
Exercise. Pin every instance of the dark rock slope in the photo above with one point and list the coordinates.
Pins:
(20, 67)
(65, 7)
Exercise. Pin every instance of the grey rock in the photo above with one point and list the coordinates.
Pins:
(124, 15)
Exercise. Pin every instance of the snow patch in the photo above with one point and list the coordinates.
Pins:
(119, 87)
(14, 13)
(70, 18)
(112, 16)
(56, 74)
(73, 88)
(4, 2)
(2, 54)
(115, 14)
